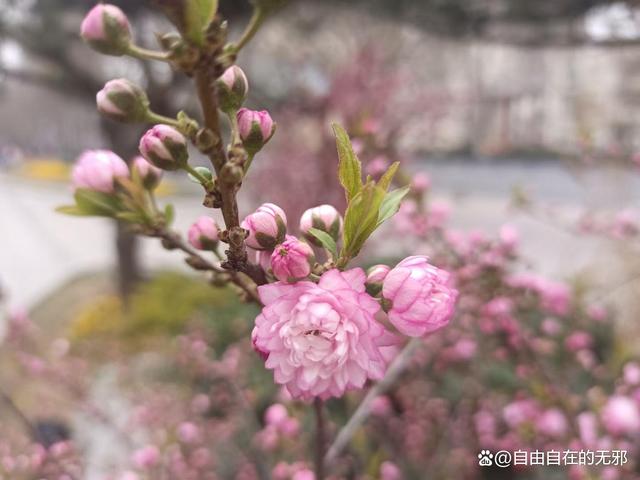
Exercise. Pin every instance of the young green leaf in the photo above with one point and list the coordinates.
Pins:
(361, 218)
(169, 214)
(72, 210)
(326, 240)
(349, 167)
(96, 203)
(387, 178)
(198, 15)
(391, 204)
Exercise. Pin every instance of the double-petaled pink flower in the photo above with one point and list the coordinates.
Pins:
(322, 339)
(422, 298)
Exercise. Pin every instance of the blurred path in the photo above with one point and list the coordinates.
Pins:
(39, 248)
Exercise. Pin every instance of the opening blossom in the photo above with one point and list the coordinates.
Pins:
(322, 339)
(97, 170)
(422, 298)
(292, 260)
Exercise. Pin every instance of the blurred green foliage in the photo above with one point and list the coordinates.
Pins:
(165, 306)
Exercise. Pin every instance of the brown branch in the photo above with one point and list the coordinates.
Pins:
(174, 240)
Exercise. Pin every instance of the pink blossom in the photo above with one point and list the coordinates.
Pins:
(509, 237)
(620, 415)
(390, 471)
(421, 182)
(519, 411)
(97, 170)
(578, 341)
(267, 227)
(276, 414)
(377, 166)
(203, 234)
(292, 260)
(188, 432)
(381, 406)
(587, 428)
(553, 423)
(631, 373)
(303, 474)
(421, 295)
(322, 339)
(146, 457)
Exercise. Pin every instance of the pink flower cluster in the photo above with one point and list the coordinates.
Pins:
(322, 338)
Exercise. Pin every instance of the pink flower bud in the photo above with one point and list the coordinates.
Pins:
(303, 474)
(292, 260)
(256, 128)
(123, 101)
(267, 227)
(164, 147)
(323, 217)
(233, 88)
(107, 29)
(377, 274)
(203, 234)
(422, 298)
(97, 170)
(375, 277)
(148, 174)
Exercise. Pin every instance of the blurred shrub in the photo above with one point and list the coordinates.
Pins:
(165, 306)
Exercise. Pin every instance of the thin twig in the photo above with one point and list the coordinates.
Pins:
(318, 407)
(397, 367)
(176, 241)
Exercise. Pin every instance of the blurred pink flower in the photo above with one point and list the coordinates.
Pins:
(322, 340)
(553, 423)
(146, 457)
(390, 471)
(620, 415)
(97, 170)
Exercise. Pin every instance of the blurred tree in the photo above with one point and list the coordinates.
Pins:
(47, 33)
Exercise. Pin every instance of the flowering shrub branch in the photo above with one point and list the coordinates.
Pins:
(321, 330)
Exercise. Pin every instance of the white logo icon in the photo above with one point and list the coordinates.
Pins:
(485, 458)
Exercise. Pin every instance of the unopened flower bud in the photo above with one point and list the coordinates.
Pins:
(267, 227)
(203, 234)
(292, 260)
(107, 29)
(375, 278)
(323, 217)
(149, 175)
(233, 88)
(123, 101)
(255, 128)
(165, 147)
(97, 170)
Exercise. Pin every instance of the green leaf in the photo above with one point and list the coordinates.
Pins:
(326, 240)
(391, 204)
(198, 15)
(72, 210)
(191, 17)
(169, 214)
(91, 202)
(361, 218)
(131, 217)
(349, 167)
(387, 178)
(204, 171)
